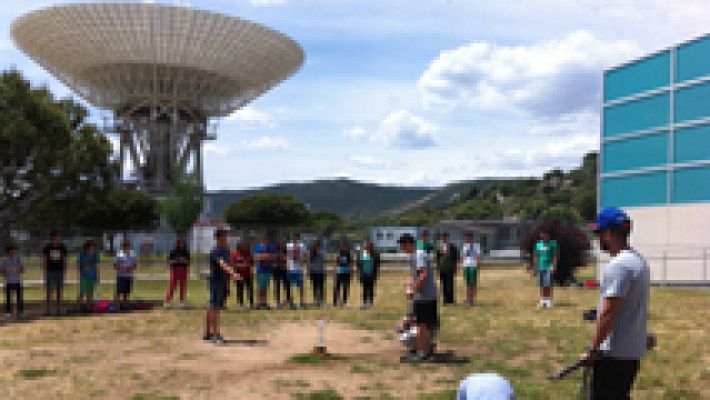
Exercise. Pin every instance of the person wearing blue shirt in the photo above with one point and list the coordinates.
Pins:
(88, 268)
(220, 271)
(265, 257)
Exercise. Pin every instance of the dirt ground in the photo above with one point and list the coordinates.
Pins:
(256, 365)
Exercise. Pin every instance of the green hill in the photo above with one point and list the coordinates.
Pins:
(350, 199)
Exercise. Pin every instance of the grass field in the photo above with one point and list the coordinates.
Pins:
(159, 354)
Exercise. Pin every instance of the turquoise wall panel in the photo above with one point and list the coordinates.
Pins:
(640, 76)
(691, 185)
(692, 103)
(692, 144)
(647, 113)
(693, 60)
(635, 190)
(636, 153)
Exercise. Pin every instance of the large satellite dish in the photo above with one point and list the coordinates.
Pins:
(163, 71)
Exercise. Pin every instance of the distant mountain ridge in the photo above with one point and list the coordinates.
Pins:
(348, 198)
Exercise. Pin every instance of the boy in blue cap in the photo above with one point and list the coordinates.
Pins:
(620, 336)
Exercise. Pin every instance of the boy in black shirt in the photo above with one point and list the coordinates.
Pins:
(54, 263)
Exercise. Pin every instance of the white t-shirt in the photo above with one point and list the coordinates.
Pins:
(127, 262)
(627, 276)
(471, 252)
(295, 254)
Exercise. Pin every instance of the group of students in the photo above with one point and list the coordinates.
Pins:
(287, 266)
(55, 256)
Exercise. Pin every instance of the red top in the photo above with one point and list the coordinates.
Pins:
(244, 270)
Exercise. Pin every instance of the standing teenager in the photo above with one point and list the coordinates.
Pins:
(368, 262)
(55, 266)
(471, 252)
(125, 264)
(421, 290)
(281, 276)
(547, 254)
(620, 337)
(12, 268)
(343, 268)
(179, 262)
(88, 268)
(220, 271)
(316, 271)
(447, 257)
(243, 263)
(296, 254)
(265, 258)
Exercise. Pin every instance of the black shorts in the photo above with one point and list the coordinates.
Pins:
(218, 294)
(426, 313)
(123, 285)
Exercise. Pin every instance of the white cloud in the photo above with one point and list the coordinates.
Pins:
(266, 142)
(266, 3)
(212, 148)
(250, 117)
(399, 129)
(534, 160)
(356, 132)
(583, 122)
(369, 162)
(544, 79)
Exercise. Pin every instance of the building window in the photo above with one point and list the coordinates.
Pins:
(380, 236)
(390, 236)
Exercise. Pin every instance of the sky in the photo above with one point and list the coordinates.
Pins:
(422, 93)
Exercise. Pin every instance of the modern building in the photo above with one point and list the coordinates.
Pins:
(384, 238)
(499, 239)
(655, 156)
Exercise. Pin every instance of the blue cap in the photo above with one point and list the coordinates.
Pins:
(610, 218)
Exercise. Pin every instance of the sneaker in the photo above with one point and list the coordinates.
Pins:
(542, 304)
(218, 339)
(303, 306)
(279, 306)
(549, 303)
(207, 338)
(413, 357)
(166, 305)
(182, 305)
(293, 306)
(240, 307)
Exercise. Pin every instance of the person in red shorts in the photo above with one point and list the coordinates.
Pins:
(179, 262)
(243, 262)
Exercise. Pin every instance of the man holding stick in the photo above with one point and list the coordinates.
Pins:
(620, 337)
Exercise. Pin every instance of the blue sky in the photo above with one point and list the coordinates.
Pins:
(423, 92)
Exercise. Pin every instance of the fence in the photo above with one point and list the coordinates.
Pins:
(680, 265)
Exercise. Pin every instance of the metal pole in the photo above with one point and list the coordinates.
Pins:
(665, 266)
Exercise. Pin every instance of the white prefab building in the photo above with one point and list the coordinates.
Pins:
(655, 157)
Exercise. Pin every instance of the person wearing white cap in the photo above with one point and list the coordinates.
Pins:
(485, 386)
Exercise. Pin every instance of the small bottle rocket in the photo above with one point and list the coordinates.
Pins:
(320, 347)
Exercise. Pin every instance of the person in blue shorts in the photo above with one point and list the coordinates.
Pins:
(220, 271)
(265, 258)
(547, 254)
(296, 255)
(88, 268)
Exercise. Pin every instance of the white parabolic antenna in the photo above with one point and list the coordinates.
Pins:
(163, 71)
